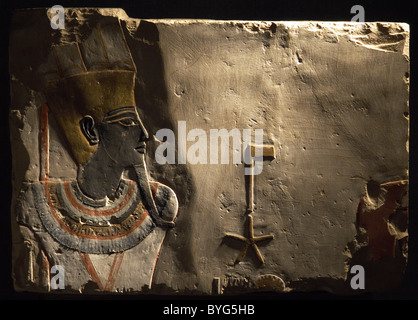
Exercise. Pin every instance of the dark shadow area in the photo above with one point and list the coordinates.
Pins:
(151, 100)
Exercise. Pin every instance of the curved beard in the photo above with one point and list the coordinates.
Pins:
(148, 200)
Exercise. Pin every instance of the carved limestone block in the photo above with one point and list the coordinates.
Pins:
(207, 157)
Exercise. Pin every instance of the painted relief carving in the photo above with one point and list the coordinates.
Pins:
(207, 157)
(101, 215)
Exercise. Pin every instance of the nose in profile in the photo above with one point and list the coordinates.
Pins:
(144, 133)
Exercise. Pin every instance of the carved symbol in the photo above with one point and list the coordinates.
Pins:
(251, 241)
(270, 282)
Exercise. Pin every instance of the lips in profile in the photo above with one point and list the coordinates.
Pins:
(141, 147)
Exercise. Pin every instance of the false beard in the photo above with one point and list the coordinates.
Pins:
(148, 200)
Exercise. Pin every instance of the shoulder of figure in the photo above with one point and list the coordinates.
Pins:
(165, 200)
(30, 197)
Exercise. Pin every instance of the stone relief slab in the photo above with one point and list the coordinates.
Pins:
(207, 157)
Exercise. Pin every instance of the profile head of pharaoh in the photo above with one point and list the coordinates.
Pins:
(89, 89)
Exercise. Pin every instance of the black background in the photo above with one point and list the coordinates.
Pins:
(390, 11)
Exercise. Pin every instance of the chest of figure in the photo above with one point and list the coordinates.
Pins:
(91, 226)
(111, 244)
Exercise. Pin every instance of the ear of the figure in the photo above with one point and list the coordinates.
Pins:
(89, 130)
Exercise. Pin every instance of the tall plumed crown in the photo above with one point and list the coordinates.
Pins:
(92, 78)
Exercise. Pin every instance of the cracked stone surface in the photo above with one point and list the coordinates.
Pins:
(331, 97)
